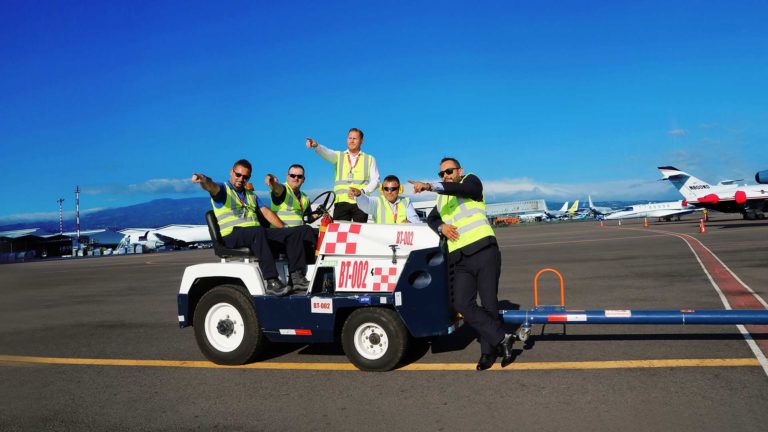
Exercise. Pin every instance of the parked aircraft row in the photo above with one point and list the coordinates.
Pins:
(726, 196)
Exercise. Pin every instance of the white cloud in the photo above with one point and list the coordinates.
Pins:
(678, 132)
(621, 190)
(150, 187)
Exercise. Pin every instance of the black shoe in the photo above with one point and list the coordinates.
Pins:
(299, 282)
(276, 287)
(505, 350)
(486, 361)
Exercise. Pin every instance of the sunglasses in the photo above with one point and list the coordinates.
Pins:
(296, 176)
(244, 176)
(390, 189)
(448, 171)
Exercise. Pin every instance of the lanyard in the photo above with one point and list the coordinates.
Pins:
(240, 200)
(395, 209)
(351, 166)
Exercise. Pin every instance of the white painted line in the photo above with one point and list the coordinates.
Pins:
(747, 336)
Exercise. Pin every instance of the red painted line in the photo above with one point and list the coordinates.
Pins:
(735, 292)
(302, 332)
(557, 318)
(739, 297)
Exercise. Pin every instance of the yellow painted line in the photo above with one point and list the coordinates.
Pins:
(9, 360)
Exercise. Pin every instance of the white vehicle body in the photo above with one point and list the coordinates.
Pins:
(368, 257)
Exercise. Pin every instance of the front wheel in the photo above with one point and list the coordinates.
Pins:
(374, 339)
(227, 329)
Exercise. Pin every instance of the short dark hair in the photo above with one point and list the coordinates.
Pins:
(296, 166)
(243, 163)
(454, 160)
(391, 178)
(356, 130)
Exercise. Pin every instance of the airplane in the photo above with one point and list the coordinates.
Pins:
(563, 213)
(599, 211)
(727, 196)
(175, 236)
(662, 210)
(532, 217)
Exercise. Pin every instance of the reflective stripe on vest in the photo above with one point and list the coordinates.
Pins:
(383, 211)
(361, 174)
(291, 210)
(467, 215)
(233, 214)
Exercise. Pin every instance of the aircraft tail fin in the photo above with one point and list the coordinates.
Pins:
(689, 186)
(591, 206)
(574, 208)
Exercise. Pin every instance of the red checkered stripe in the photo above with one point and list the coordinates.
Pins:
(384, 279)
(341, 239)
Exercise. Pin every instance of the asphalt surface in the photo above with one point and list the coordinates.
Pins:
(125, 308)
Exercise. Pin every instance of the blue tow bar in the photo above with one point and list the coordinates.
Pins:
(558, 314)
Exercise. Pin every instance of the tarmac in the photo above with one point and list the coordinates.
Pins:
(94, 344)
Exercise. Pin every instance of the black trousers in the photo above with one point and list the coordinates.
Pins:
(473, 275)
(259, 239)
(349, 212)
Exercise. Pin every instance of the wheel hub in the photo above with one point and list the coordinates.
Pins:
(374, 339)
(371, 341)
(226, 327)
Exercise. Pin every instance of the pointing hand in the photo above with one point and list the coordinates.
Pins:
(419, 187)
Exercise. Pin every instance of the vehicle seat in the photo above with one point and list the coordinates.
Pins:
(219, 248)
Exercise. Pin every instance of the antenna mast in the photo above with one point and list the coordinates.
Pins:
(77, 211)
(61, 218)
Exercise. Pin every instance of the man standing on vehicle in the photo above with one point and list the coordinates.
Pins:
(389, 207)
(287, 200)
(354, 169)
(473, 256)
(236, 209)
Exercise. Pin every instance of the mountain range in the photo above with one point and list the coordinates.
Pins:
(166, 211)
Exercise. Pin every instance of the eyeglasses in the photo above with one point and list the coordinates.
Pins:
(448, 171)
(390, 189)
(296, 176)
(244, 176)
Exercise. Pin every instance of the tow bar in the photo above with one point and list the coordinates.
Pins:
(558, 314)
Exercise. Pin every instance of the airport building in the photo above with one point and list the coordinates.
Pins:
(33, 243)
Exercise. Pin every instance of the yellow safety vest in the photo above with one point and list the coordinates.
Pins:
(233, 214)
(347, 176)
(467, 215)
(383, 213)
(291, 209)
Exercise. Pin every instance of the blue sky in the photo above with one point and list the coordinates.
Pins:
(541, 99)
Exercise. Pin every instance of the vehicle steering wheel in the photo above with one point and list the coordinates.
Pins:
(324, 199)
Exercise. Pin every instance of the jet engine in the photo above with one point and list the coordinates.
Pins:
(762, 177)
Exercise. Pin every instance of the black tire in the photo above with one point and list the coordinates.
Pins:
(227, 329)
(375, 339)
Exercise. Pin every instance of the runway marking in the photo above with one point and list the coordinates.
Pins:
(12, 360)
(733, 292)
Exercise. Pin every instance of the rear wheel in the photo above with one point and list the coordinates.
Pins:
(375, 339)
(226, 326)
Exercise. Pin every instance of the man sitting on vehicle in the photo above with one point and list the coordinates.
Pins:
(287, 200)
(237, 209)
(389, 208)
